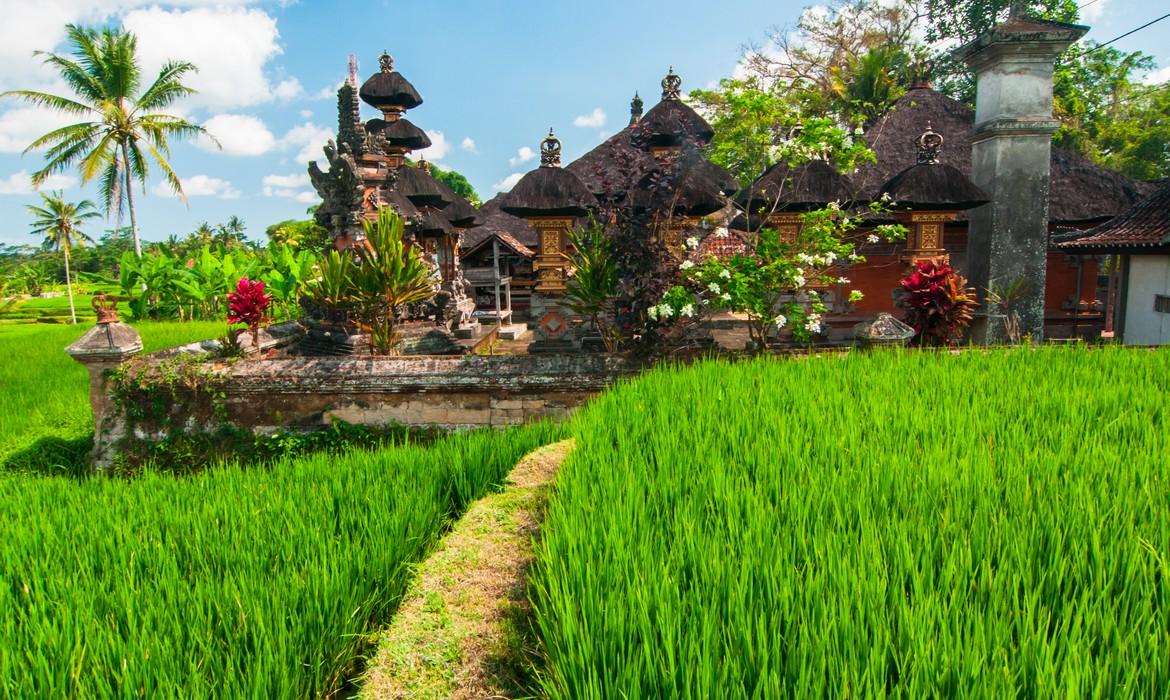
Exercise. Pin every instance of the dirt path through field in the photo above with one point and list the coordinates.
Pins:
(461, 630)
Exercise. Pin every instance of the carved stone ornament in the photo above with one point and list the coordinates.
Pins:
(671, 85)
(550, 151)
(930, 143)
(106, 308)
(386, 62)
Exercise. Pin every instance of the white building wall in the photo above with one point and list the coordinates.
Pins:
(1149, 276)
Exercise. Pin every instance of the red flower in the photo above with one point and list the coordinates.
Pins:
(248, 303)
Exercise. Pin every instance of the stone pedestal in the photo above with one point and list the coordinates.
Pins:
(1010, 156)
(551, 326)
(102, 349)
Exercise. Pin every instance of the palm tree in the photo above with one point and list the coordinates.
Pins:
(60, 223)
(125, 130)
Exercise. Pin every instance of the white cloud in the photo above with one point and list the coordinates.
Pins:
(291, 180)
(21, 183)
(307, 197)
(309, 138)
(230, 46)
(1157, 77)
(507, 183)
(21, 126)
(287, 89)
(289, 187)
(593, 120)
(238, 134)
(523, 155)
(306, 114)
(326, 93)
(468, 144)
(200, 186)
(439, 147)
(1091, 12)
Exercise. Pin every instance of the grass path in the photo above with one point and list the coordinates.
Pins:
(460, 632)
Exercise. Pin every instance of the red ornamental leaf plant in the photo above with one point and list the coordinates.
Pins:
(938, 303)
(249, 305)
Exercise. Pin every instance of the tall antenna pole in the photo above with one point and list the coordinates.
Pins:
(353, 70)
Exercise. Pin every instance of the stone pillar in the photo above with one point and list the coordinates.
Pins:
(102, 349)
(551, 331)
(1010, 156)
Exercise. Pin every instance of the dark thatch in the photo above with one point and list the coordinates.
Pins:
(1081, 191)
(933, 186)
(399, 133)
(689, 187)
(803, 188)
(459, 212)
(613, 167)
(421, 188)
(548, 191)
(432, 223)
(496, 221)
(671, 122)
(1145, 226)
(387, 90)
(398, 202)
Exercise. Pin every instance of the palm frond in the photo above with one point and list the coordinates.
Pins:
(168, 173)
(167, 87)
(65, 136)
(44, 99)
(110, 188)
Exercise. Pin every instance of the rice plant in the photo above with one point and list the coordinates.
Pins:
(990, 524)
(233, 582)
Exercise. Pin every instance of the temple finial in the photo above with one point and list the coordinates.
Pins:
(930, 143)
(635, 109)
(386, 61)
(550, 151)
(670, 85)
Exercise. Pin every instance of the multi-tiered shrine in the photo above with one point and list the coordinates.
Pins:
(369, 168)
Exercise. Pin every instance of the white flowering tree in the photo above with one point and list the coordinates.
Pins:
(775, 283)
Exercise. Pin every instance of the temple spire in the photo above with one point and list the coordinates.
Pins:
(929, 144)
(635, 109)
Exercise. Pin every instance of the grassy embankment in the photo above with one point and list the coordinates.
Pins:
(914, 525)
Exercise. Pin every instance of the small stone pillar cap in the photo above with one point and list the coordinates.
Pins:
(106, 342)
(1024, 34)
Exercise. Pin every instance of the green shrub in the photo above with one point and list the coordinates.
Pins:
(992, 524)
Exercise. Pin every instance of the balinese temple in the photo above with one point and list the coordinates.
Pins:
(1082, 195)
(505, 241)
(369, 168)
(1137, 307)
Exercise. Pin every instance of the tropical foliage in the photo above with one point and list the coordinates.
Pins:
(248, 305)
(60, 223)
(938, 303)
(593, 284)
(124, 129)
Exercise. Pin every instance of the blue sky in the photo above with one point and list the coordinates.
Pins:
(494, 76)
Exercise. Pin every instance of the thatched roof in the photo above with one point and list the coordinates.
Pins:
(1081, 191)
(432, 223)
(398, 202)
(400, 132)
(614, 166)
(803, 188)
(671, 122)
(459, 212)
(691, 187)
(388, 88)
(1145, 226)
(421, 188)
(933, 186)
(548, 191)
(496, 221)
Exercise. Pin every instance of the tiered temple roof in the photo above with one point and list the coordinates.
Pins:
(931, 184)
(549, 190)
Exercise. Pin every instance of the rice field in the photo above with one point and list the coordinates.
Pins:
(986, 525)
(45, 419)
(232, 582)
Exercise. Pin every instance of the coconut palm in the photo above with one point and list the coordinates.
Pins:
(125, 130)
(60, 223)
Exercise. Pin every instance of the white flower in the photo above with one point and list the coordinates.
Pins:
(813, 323)
(688, 310)
(687, 264)
(835, 206)
(812, 295)
(872, 238)
(799, 280)
(692, 242)
(780, 321)
(830, 257)
(714, 287)
(842, 280)
(725, 274)
(665, 311)
(725, 296)
(854, 257)
(652, 312)
(886, 197)
(806, 259)
(721, 232)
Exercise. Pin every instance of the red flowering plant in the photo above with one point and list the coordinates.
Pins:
(938, 303)
(249, 305)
